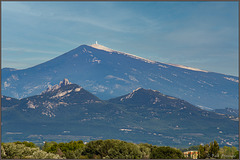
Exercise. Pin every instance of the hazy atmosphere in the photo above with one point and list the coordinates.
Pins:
(203, 35)
(119, 80)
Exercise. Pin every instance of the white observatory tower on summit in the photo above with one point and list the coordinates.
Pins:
(101, 47)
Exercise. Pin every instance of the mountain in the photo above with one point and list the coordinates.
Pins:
(228, 111)
(68, 112)
(148, 97)
(8, 102)
(177, 118)
(64, 94)
(108, 73)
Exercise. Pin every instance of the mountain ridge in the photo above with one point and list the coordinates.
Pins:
(104, 48)
(111, 74)
(169, 121)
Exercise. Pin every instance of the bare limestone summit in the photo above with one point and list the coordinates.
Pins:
(108, 73)
(64, 82)
(55, 87)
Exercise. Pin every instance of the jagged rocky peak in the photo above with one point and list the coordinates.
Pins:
(64, 82)
(138, 89)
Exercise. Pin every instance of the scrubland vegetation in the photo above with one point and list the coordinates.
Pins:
(110, 149)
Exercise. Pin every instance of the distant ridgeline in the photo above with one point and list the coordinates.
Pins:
(108, 74)
(68, 112)
(112, 149)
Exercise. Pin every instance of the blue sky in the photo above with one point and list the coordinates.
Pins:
(202, 35)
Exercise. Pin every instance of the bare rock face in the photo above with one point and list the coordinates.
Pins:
(64, 82)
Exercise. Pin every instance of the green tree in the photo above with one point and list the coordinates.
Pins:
(3, 154)
(203, 151)
(236, 155)
(166, 153)
(145, 150)
(20, 151)
(206, 150)
(93, 148)
(44, 155)
(27, 144)
(71, 150)
(48, 146)
(227, 152)
(112, 149)
(213, 150)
